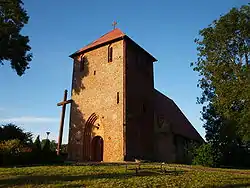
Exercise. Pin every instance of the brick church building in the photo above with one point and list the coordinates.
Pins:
(116, 114)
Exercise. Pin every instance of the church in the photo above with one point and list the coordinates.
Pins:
(116, 113)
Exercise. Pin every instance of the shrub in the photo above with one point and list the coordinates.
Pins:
(10, 151)
(13, 152)
(205, 155)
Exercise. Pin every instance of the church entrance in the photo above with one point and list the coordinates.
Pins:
(97, 148)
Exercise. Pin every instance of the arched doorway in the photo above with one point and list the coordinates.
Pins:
(88, 128)
(97, 149)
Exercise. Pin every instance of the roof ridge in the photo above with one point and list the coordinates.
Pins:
(111, 32)
(98, 38)
(111, 35)
(107, 34)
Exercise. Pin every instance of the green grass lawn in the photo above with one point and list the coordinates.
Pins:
(150, 175)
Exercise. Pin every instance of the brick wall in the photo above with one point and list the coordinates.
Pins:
(164, 148)
(139, 103)
(95, 91)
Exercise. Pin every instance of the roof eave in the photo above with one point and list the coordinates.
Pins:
(96, 46)
(110, 41)
(153, 58)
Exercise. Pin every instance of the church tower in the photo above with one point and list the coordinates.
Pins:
(112, 113)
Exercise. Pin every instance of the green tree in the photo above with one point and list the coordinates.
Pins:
(11, 132)
(206, 156)
(224, 69)
(10, 151)
(11, 146)
(223, 64)
(14, 47)
(37, 144)
(53, 145)
(46, 148)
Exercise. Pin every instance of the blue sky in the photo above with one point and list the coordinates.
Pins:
(57, 28)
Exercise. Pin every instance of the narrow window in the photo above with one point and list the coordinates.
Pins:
(82, 64)
(94, 72)
(110, 54)
(117, 98)
(143, 108)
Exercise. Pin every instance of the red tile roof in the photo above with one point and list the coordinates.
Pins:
(115, 34)
(112, 35)
(178, 122)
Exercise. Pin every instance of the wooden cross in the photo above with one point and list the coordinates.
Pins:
(114, 24)
(63, 104)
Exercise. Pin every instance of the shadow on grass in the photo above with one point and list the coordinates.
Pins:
(159, 171)
(53, 179)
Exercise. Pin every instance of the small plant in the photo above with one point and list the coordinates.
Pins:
(10, 150)
(205, 155)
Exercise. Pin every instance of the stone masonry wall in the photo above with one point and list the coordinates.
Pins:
(95, 90)
(139, 103)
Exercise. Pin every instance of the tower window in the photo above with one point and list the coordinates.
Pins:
(94, 72)
(117, 98)
(110, 54)
(82, 61)
(143, 108)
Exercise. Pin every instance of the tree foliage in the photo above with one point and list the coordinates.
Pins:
(16, 148)
(53, 145)
(37, 144)
(46, 145)
(14, 47)
(10, 151)
(224, 69)
(11, 146)
(206, 156)
(11, 132)
(223, 64)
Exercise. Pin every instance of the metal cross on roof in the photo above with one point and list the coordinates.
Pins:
(114, 24)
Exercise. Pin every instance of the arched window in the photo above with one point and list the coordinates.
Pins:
(82, 62)
(110, 54)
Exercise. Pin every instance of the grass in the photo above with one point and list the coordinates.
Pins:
(104, 175)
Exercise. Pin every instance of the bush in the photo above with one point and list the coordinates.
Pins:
(10, 151)
(13, 152)
(206, 156)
